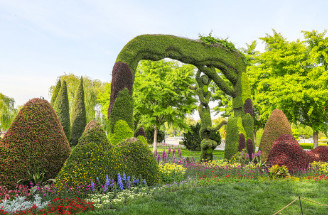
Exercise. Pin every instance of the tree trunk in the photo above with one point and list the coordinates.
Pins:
(315, 139)
(155, 139)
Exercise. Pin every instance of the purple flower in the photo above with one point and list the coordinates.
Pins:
(128, 184)
(155, 153)
(112, 183)
(169, 150)
(158, 158)
(128, 178)
(92, 186)
(174, 159)
(119, 181)
(180, 153)
(173, 152)
(124, 177)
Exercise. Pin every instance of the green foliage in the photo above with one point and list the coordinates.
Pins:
(55, 92)
(150, 135)
(62, 109)
(259, 134)
(122, 109)
(89, 161)
(91, 90)
(94, 133)
(78, 115)
(212, 41)
(234, 128)
(7, 111)
(301, 131)
(276, 126)
(139, 160)
(207, 146)
(35, 141)
(122, 131)
(191, 139)
(142, 139)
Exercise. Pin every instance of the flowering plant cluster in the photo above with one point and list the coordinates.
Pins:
(171, 172)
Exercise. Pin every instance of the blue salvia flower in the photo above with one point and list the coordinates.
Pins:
(124, 177)
(128, 179)
(136, 181)
(92, 186)
(119, 181)
(128, 184)
(106, 184)
(144, 182)
(112, 183)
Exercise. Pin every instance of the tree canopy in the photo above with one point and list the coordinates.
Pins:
(7, 111)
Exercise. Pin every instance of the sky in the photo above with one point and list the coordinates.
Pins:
(41, 40)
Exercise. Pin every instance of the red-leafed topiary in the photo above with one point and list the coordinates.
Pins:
(241, 142)
(248, 107)
(140, 132)
(121, 78)
(34, 142)
(287, 151)
(276, 126)
(318, 154)
(250, 149)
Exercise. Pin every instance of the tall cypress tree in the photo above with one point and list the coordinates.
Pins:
(55, 93)
(62, 109)
(79, 119)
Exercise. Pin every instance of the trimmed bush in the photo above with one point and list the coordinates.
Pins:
(248, 124)
(79, 117)
(140, 132)
(142, 139)
(139, 160)
(286, 151)
(192, 140)
(242, 144)
(207, 146)
(55, 93)
(318, 154)
(122, 109)
(276, 126)
(234, 128)
(248, 107)
(122, 131)
(94, 133)
(62, 109)
(250, 149)
(34, 142)
(89, 161)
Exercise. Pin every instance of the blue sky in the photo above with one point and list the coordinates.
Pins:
(41, 40)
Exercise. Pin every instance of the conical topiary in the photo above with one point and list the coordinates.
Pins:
(55, 93)
(94, 133)
(35, 142)
(79, 119)
(276, 126)
(62, 109)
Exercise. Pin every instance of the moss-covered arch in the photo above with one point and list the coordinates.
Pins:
(205, 57)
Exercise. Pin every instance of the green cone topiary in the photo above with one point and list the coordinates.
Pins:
(62, 109)
(79, 118)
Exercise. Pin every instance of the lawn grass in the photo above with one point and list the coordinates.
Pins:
(247, 197)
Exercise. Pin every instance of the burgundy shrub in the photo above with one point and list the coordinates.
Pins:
(250, 149)
(287, 151)
(241, 145)
(122, 77)
(248, 107)
(141, 132)
(318, 154)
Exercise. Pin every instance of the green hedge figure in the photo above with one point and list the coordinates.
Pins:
(206, 57)
(79, 118)
(62, 109)
(207, 146)
(234, 128)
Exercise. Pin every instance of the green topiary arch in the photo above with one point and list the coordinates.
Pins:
(207, 58)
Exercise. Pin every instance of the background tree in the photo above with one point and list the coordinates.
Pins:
(7, 111)
(91, 90)
(62, 109)
(162, 94)
(79, 120)
(55, 92)
(103, 99)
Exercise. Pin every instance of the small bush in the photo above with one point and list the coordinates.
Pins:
(142, 139)
(122, 131)
(286, 151)
(139, 160)
(140, 132)
(250, 149)
(242, 144)
(191, 139)
(94, 133)
(207, 146)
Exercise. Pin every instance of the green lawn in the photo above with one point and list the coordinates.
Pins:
(247, 197)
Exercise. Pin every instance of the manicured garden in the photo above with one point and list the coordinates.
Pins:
(51, 165)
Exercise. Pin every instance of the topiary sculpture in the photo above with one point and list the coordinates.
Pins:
(241, 145)
(122, 131)
(139, 160)
(35, 142)
(94, 133)
(234, 129)
(62, 109)
(79, 118)
(276, 126)
(207, 146)
(55, 93)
